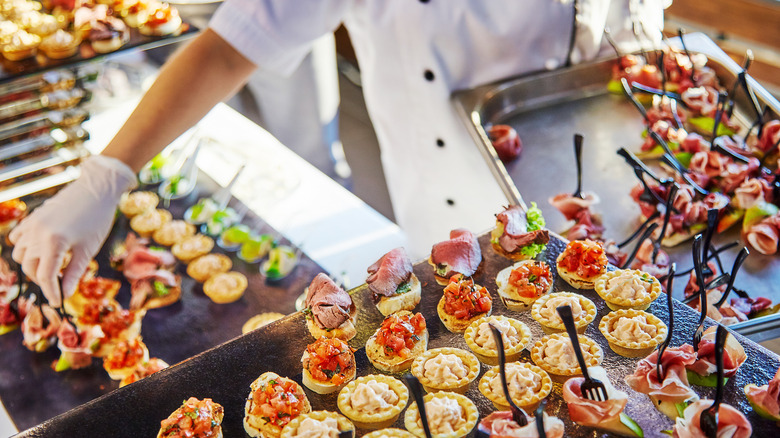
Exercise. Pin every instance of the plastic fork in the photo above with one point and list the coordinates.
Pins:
(416, 389)
(702, 292)
(709, 417)
(592, 389)
(667, 217)
(648, 231)
(737, 264)
(670, 306)
(517, 414)
(712, 222)
(680, 33)
(539, 419)
(578, 157)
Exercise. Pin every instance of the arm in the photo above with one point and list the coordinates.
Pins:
(195, 79)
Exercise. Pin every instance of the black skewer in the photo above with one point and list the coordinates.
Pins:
(708, 419)
(712, 222)
(591, 389)
(769, 152)
(630, 95)
(641, 169)
(670, 159)
(578, 157)
(645, 89)
(660, 63)
(680, 33)
(539, 419)
(639, 243)
(718, 113)
(742, 78)
(517, 414)
(697, 335)
(745, 66)
(416, 389)
(737, 264)
(757, 123)
(640, 230)
(675, 115)
(713, 253)
(667, 216)
(670, 306)
(717, 147)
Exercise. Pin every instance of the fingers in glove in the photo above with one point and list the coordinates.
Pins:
(18, 253)
(47, 273)
(16, 233)
(75, 270)
(30, 265)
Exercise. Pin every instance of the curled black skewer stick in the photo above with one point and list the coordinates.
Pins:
(636, 86)
(661, 67)
(697, 335)
(517, 414)
(539, 419)
(667, 216)
(712, 222)
(711, 256)
(641, 240)
(669, 159)
(680, 33)
(743, 254)
(718, 113)
(670, 306)
(717, 147)
(641, 169)
(742, 78)
(745, 66)
(416, 389)
(612, 42)
(708, 418)
(639, 230)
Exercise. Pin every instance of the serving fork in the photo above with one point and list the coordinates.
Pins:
(648, 231)
(578, 157)
(702, 292)
(416, 390)
(661, 373)
(592, 389)
(517, 414)
(708, 418)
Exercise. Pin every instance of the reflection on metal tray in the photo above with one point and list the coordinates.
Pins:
(225, 373)
(59, 157)
(174, 333)
(548, 108)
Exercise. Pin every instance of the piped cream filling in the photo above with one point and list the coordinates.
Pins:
(627, 286)
(635, 329)
(549, 312)
(445, 368)
(445, 415)
(521, 381)
(372, 397)
(485, 339)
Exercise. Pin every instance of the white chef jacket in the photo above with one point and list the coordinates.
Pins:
(412, 55)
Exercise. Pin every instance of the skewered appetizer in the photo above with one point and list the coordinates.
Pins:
(144, 370)
(555, 354)
(632, 333)
(521, 284)
(671, 394)
(505, 141)
(459, 255)
(328, 365)
(194, 419)
(136, 260)
(581, 263)
(501, 424)
(39, 327)
(77, 347)
(329, 311)
(206, 266)
(528, 386)
(479, 338)
(607, 415)
(162, 19)
(544, 311)
(393, 284)
(446, 369)
(400, 339)
(520, 235)
(318, 424)
(116, 323)
(374, 401)
(765, 399)
(159, 289)
(463, 302)
(273, 402)
(628, 289)
(225, 287)
(731, 422)
(450, 415)
(125, 357)
(587, 224)
(703, 371)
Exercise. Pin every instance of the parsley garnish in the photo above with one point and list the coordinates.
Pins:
(272, 382)
(403, 288)
(193, 415)
(532, 278)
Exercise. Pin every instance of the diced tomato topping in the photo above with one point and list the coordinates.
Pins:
(95, 287)
(586, 258)
(195, 418)
(398, 334)
(278, 401)
(13, 209)
(463, 299)
(125, 354)
(329, 360)
(531, 280)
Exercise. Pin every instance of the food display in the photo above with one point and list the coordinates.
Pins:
(479, 338)
(445, 369)
(528, 386)
(632, 333)
(462, 303)
(449, 415)
(544, 311)
(460, 254)
(374, 401)
(393, 284)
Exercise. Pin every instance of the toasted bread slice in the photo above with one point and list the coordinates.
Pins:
(255, 425)
(456, 325)
(405, 301)
(392, 363)
(326, 387)
(509, 297)
(576, 280)
(345, 331)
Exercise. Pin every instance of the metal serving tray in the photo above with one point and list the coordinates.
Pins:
(547, 109)
(32, 391)
(225, 372)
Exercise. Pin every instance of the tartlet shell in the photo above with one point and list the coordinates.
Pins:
(187, 255)
(291, 428)
(490, 357)
(454, 324)
(511, 300)
(528, 403)
(550, 327)
(631, 348)
(389, 432)
(412, 415)
(261, 427)
(168, 238)
(379, 419)
(222, 296)
(593, 357)
(617, 303)
(141, 225)
(135, 203)
(459, 386)
(225, 264)
(576, 281)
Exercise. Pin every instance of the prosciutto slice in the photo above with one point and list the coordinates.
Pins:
(143, 288)
(500, 424)
(751, 192)
(516, 234)
(591, 412)
(769, 136)
(674, 388)
(569, 205)
(702, 100)
(8, 282)
(139, 261)
(461, 254)
(77, 347)
(694, 143)
(330, 305)
(750, 306)
(766, 397)
(764, 236)
(586, 226)
(506, 142)
(39, 327)
(390, 271)
(731, 422)
(733, 355)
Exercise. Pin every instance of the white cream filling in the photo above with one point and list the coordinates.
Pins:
(311, 428)
(445, 368)
(558, 352)
(445, 415)
(372, 397)
(521, 381)
(635, 329)
(549, 312)
(485, 339)
(627, 286)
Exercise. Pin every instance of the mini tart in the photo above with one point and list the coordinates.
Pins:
(469, 416)
(135, 203)
(378, 418)
(193, 247)
(578, 248)
(173, 232)
(206, 266)
(260, 320)
(206, 411)
(258, 425)
(508, 292)
(453, 383)
(225, 287)
(21, 45)
(60, 45)
(561, 372)
(291, 429)
(453, 323)
(643, 288)
(124, 358)
(318, 356)
(389, 433)
(554, 324)
(384, 358)
(150, 221)
(529, 401)
(512, 350)
(632, 348)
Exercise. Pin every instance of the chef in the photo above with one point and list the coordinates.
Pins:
(412, 55)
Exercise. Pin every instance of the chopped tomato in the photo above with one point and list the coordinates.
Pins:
(329, 360)
(586, 258)
(398, 334)
(278, 401)
(463, 299)
(531, 280)
(13, 209)
(125, 354)
(195, 418)
(96, 287)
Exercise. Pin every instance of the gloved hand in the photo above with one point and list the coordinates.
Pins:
(77, 219)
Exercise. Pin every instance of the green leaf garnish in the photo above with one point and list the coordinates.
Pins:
(160, 289)
(403, 288)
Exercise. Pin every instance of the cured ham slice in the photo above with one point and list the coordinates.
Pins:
(750, 306)
(461, 254)
(39, 327)
(516, 234)
(500, 424)
(159, 289)
(731, 422)
(764, 236)
(77, 347)
(586, 226)
(590, 412)
(8, 282)
(735, 173)
(138, 261)
(701, 100)
(390, 271)
(569, 205)
(769, 136)
(644, 260)
(766, 398)
(330, 305)
(733, 355)
(674, 388)
(506, 142)
(694, 143)
(751, 192)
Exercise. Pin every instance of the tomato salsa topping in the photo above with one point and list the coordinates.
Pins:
(329, 360)
(531, 279)
(195, 418)
(125, 354)
(13, 209)
(586, 258)
(399, 333)
(463, 299)
(278, 401)
(111, 318)
(96, 287)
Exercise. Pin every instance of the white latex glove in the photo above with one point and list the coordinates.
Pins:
(76, 219)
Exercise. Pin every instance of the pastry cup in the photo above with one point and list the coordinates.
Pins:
(206, 266)
(255, 425)
(57, 49)
(260, 320)
(225, 287)
(173, 232)
(389, 432)
(529, 402)
(470, 415)
(291, 429)
(574, 279)
(509, 296)
(591, 351)
(135, 203)
(193, 247)
(617, 303)
(631, 348)
(490, 356)
(457, 325)
(150, 221)
(552, 326)
(122, 372)
(461, 385)
(374, 420)
(391, 363)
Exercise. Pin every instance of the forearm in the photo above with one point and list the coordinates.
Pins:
(195, 79)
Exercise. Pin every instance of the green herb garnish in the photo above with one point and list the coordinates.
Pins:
(403, 288)
(160, 289)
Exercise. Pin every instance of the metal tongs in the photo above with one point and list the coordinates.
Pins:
(708, 419)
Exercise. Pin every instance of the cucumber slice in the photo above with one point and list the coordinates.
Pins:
(631, 424)
(62, 364)
(7, 328)
(681, 408)
(710, 381)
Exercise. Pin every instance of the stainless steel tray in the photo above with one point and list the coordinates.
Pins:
(546, 109)
(225, 372)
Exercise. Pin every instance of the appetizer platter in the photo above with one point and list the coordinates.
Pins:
(173, 332)
(271, 357)
(538, 105)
